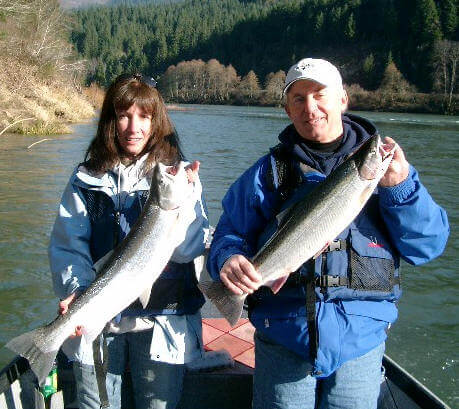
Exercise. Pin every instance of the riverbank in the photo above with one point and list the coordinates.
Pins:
(359, 100)
(30, 105)
(38, 104)
(403, 102)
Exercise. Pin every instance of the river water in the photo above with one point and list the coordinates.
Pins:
(227, 140)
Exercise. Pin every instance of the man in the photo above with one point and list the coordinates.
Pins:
(332, 360)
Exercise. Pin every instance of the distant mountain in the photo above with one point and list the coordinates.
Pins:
(80, 4)
(74, 4)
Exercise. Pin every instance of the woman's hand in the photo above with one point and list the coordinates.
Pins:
(192, 171)
(64, 307)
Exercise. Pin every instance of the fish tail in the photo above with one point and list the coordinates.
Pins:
(31, 346)
(229, 304)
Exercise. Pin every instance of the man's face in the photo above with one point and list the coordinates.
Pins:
(316, 110)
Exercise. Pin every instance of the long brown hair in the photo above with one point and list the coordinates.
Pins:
(104, 151)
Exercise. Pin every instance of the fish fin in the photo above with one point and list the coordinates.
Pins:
(277, 284)
(145, 297)
(29, 346)
(281, 216)
(229, 304)
(90, 334)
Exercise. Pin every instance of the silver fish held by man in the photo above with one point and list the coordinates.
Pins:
(127, 275)
(308, 226)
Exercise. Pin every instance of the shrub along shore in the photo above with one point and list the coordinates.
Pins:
(31, 104)
(40, 91)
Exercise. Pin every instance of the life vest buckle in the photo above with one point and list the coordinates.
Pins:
(336, 245)
(325, 280)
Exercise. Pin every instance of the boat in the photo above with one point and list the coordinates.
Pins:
(218, 388)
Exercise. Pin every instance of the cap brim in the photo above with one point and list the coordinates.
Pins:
(299, 79)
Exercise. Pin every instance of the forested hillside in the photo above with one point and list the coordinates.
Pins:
(265, 36)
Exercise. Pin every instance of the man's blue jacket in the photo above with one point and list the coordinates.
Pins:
(401, 221)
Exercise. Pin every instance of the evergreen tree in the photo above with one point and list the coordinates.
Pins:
(449, 18)
(426, 22)
(350, 27)
(369, 71)
(393, 81)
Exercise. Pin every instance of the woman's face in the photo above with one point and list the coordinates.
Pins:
(134, 130)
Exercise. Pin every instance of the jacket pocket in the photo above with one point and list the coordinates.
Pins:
(371, 264)
(378, 310)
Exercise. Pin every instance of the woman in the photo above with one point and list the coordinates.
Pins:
(101, 202)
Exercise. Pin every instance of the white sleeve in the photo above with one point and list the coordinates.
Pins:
(195, 216)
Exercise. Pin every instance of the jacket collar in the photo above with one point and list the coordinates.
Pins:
(356, 131)
(131, 175)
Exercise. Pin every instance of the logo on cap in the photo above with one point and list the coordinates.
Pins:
(313, 69)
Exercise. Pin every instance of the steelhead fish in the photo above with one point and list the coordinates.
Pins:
(128, 274)
(308, 226)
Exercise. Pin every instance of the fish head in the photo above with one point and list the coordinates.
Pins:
(373, 158)
(170, 186)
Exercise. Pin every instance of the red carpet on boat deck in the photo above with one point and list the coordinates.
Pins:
(238, 340)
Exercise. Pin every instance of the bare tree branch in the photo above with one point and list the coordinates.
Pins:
(446, 57)
(14, 123)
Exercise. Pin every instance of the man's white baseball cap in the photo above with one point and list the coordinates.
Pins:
(314, 69)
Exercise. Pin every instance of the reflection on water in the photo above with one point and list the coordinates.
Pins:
(227, 140)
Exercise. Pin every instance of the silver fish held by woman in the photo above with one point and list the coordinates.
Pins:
(127, 275)
(309, 225)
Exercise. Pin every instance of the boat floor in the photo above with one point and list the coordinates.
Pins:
(219, 388)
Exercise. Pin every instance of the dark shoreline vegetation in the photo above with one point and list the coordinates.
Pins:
(197, 82)
(393, 56)
(373, 101)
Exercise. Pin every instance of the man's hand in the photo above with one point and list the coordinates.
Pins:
(398, 169)
(239, 275)
(64, 307)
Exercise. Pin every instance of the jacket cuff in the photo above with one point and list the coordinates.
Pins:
(75, 286)
(398, 194)
(225, 254)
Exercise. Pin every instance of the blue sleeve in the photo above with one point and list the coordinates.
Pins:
(417, 225)
(247, 207)
(69, 253)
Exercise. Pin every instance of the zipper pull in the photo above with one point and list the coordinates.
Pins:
(117, 228)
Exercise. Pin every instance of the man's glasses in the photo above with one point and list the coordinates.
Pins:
(139, 77)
